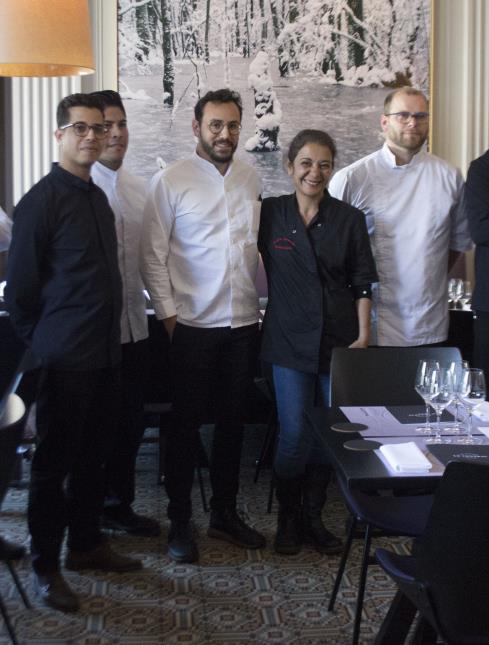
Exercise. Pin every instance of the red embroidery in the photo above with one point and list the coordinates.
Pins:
(283, 244)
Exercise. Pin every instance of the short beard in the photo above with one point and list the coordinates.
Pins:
(218, 158)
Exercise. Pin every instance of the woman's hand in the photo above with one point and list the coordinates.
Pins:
(359, 343)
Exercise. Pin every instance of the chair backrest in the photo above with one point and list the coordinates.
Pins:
(381, 375)
(452, 556)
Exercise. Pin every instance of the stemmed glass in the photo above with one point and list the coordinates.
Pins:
(425, 386)
(466, 293)
(473, 397)
(443, 378)
(455, 290)
(460, 384)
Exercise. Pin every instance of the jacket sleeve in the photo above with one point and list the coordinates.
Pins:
(476, 201)
(30, 240)
(362, 268)
(155, 247)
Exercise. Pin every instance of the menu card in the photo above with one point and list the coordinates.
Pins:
(449, 452)
(415, 413)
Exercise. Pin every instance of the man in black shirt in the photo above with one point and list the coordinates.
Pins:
(64, 299)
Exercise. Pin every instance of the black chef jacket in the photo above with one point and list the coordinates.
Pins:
(64, 290)
(311, 291)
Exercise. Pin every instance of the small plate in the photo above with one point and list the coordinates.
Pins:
(348, 427)
(362, 445)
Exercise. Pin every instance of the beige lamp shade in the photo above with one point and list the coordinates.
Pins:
(45, 38)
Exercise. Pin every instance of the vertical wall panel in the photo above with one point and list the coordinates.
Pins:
(33, 109)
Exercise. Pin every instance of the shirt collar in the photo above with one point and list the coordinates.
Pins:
(107, 173)
(390, 158)
(71, 179)
(209, 167)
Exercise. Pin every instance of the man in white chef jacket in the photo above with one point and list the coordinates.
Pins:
(412, 204)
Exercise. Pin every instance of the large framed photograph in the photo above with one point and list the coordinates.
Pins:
(296, 63)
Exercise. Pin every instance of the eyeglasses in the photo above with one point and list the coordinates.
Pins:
(81, 129)
(216, 126)
(403, 117)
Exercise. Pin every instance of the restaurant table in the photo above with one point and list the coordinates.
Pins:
(367, 471)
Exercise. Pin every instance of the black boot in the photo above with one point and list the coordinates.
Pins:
(288, 539)
(316, 534)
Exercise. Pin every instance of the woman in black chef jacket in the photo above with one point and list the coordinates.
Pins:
(319, 266)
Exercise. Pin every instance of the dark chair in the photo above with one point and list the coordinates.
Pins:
(381, 375)
(11, 429)
(158, 399)
(447, 577)
(378, 376)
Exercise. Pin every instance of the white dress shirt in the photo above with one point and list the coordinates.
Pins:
(127, 194)
(414, 217)
(5, 230)
(199, 243)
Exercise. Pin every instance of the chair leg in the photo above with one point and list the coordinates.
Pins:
(341, 568)
(361, 584)
(270, 494)
(202, 489)
(18, 584)
(8, 624)
(269, 438)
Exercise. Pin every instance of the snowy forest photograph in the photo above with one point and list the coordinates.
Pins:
(297, 64)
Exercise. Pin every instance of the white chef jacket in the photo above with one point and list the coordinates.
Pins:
(199, 243)
(127, 194)
(5, 230)
(414, 217)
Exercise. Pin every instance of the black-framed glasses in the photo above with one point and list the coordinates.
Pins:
(81, 129)
(216, 126)
(404, 117)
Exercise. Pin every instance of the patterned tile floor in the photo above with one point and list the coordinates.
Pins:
(230, 597)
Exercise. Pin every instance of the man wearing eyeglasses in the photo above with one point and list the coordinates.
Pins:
(199, 259)
(64, 298)
(412, 203)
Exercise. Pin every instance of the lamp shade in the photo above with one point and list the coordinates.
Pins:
(45, 38)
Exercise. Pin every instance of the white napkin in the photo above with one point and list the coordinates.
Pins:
(482, 410)
(405, 457)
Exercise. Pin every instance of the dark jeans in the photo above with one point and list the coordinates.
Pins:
(481, 342)
(208, 366)
(76, 415)
(297, 446)
(121, 466)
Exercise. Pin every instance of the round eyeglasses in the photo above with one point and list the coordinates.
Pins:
(81, 129)
(216, 126)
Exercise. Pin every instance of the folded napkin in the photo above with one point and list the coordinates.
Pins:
(482, 410)
(405, 457)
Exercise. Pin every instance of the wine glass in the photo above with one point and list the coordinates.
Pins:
(466, 294)
(442, 379)
(460, 385)
(425, 387)
(473, 397)
(455, 290)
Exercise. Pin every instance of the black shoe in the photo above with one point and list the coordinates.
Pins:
(123, 518)
(55, 592)
(101, 558)
(10, 550)
(318, 536)
(288, 539)
(181, 543)
(227, 525)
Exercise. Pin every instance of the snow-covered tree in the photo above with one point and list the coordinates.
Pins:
(268, 112)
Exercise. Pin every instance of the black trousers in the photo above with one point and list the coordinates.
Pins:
(120, 468)
(481, 342)
(212, 370)
(76, 421)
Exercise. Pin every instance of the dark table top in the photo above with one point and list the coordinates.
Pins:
(365, 470)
